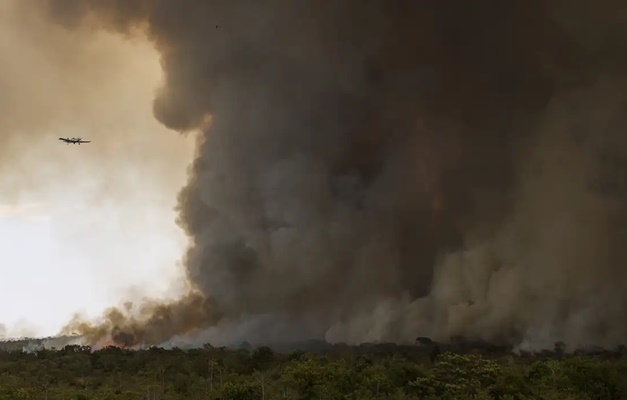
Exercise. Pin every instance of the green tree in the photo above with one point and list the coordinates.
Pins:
(456, 375)
(262, 358)
(593, 378)
(240, 391)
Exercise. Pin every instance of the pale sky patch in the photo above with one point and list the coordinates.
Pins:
(81, 227)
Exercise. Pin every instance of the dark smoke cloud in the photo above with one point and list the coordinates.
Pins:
(378, 170)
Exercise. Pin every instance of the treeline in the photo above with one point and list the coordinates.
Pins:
(341, 372)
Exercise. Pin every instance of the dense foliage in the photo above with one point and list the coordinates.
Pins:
(77, 372)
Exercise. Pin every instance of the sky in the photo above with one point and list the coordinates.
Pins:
(82, 226)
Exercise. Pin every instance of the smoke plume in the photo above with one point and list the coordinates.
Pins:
(379, 170)
(57, 82)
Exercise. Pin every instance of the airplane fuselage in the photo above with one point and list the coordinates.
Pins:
(74, 140)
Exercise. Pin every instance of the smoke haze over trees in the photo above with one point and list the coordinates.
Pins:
(378, 170)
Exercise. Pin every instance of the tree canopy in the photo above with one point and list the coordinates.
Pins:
(341, 372)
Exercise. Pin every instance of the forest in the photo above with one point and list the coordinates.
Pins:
(383, 371)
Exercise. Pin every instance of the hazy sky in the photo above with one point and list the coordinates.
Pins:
(80, 226)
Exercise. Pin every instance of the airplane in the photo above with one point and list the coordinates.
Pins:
(74, 140)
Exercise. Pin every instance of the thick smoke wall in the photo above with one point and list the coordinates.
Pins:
(379, 170)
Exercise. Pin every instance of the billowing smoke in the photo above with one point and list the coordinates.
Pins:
(378, 170)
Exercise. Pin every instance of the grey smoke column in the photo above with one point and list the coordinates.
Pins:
(357, 147)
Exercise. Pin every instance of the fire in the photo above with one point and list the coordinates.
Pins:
(110, 344)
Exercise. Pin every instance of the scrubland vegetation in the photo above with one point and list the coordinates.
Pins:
(338, 372)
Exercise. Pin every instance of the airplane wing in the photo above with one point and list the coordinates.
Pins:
(74, 140)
